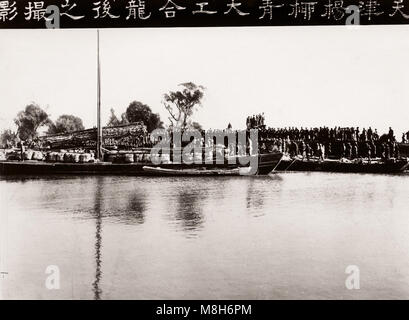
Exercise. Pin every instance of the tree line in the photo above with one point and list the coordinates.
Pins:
(180, 104)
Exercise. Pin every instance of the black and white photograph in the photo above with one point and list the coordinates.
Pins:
(207, 162)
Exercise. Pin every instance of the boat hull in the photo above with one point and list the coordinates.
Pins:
(266, 163)
(337, 166)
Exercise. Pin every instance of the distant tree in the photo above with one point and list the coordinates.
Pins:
(124, 119)
(66, 123)
(196, 126)
(113, 119)
(29, 120)
(139, 112)
(8, 137)
(182, 104)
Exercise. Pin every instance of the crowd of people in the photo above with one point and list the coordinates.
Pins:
(255, 121)
(324, 142)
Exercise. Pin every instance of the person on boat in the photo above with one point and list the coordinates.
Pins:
(373, 148)
(308, 151)
(391, 135)
(303, 149)
(387, 151)
(22, 150)
(392, 146)
(348, 150)
(397, 151)
(368, 151)
(342, 150)
(375, 135)
(320, 151)
(354, 150)
(369, 134)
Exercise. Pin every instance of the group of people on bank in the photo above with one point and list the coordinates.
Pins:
(337, 142)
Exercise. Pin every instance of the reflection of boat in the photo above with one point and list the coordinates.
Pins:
(265, 164)
(328, 165)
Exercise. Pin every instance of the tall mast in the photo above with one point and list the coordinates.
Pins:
(99, 128)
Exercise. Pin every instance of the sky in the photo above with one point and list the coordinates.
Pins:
(297, 76)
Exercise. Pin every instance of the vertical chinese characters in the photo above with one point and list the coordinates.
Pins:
(267, 7)
(35, 11)
(303, 9)
(398, 6)
(8, 10)
(67, 7)
(170, 9)
(137, 10)
(103, 10)
(334, 10)
(370, 8)
(235, 6)
(202, 10)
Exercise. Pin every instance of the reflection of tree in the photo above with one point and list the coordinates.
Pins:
(255, 196)
(98, 237)
(189, 209)
(136, 208)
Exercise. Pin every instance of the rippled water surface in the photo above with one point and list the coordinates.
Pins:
(284, 236)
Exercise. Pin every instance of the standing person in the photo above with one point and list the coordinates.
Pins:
(369, 134)
(320, 151)
(342, 151)
(397, 151)
(354, 150)
(368, 151)
(303, 149)
(391, 134)
(308, 151)
(375, 135)
(348, 150)
(357, 134)
(22, 150)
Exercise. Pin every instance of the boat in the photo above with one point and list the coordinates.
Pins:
(135, 162)
(195, 172)
(266, 163)
(347, 166)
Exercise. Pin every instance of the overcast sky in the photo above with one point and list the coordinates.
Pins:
(299, 76)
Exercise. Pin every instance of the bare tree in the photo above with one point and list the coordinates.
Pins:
(182, 103)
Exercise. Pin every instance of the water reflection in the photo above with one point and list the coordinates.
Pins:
(136, 208)
(259, 190)
(98, 237)
(189, 209)
(254, 197)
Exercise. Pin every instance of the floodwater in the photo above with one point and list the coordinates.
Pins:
(284, 236)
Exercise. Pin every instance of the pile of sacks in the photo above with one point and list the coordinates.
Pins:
(70, 157)
(27, 155)
(33, 155)
(129, 158)
(63, 156)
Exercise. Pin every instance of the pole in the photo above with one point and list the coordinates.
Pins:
(99, 128)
